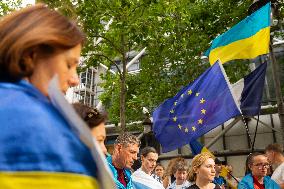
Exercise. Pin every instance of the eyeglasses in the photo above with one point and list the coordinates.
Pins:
(261, 165)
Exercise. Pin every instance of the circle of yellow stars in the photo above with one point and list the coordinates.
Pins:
(202, 112)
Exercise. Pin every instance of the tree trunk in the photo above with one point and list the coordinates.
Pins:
(123, 89)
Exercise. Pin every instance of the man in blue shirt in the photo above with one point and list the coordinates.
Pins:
(125, 152)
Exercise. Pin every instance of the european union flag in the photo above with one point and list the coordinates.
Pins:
(196, 109)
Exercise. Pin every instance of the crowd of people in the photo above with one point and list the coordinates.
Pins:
(204, 172)
(36, 45)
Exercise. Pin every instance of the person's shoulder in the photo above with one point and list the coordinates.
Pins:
(109, 162)
(136, 173)
(216, 186)
(194, 186)
(281, 166)
(187, 184)
(246, 182)
(271, 182)
(172, 185)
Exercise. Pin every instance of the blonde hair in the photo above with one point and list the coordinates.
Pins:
(197, 161)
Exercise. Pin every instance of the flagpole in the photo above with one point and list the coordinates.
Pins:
(255, 132)
(233, 177)
(255, 6)
(277, 87)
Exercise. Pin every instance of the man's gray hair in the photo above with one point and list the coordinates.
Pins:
(126, 138)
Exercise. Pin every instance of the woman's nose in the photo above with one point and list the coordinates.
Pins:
(74, 80)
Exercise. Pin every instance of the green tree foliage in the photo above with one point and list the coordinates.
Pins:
(8, 6)
(175, 32)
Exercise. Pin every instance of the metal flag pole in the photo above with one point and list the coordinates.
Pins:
(277, 87)
(254, 137)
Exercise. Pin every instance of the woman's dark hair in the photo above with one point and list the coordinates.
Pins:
(145, 151)
(159, 165)
(90, 115)
(249, 161)
(33, 29)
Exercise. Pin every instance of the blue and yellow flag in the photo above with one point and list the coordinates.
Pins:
(196, 109)
(45, 144)
(197, 148)
(246, 40)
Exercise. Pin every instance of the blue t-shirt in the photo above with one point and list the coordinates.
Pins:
(219, 181)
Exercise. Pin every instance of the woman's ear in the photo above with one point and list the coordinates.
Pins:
(27, 62)
(142, 158)
(249, 166)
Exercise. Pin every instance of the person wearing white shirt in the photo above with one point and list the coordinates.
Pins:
(274, 153)
(142, 178)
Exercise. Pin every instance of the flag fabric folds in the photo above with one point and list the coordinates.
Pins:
(197, 148)
(246, 40)
(196, 109)
(33, 155)
(141, 180)
(53, 148)
(248, 91)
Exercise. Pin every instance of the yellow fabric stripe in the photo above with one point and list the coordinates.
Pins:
(224, 171)
(46, 180)
(248, 48)
(204, 149)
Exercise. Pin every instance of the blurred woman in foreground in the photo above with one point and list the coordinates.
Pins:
(38, 148)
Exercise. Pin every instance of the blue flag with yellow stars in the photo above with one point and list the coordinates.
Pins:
(199, 107)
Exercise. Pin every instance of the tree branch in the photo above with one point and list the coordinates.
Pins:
(109, 41)
(113, 62)
(138, 6)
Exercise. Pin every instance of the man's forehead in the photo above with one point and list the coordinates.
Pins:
(132, 146)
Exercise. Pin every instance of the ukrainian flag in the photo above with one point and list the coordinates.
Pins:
(33, 157)
(246, 40)
(45, 145)
(198, 148)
